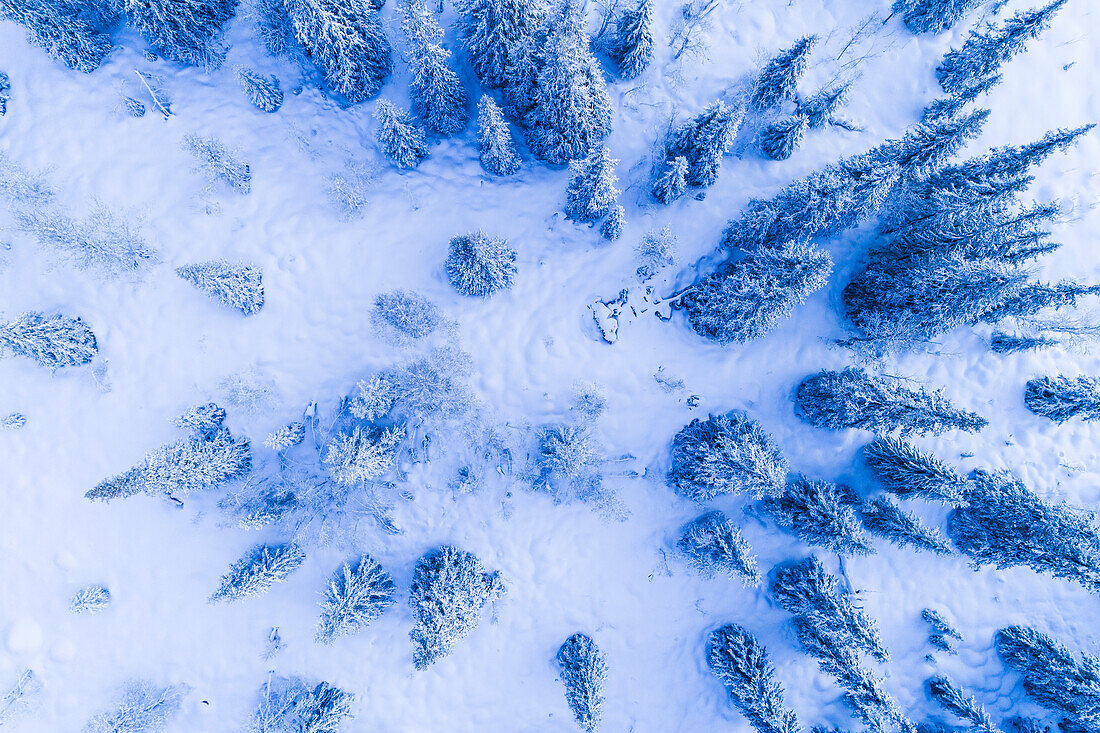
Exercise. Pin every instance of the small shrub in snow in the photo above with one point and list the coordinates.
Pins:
(820, 514)
(886, 519)
(289, 705)
(933, 16)
(583, 672)
(670, 180)
(401, 140)
(187, 31)
(778, 80)
(265, 94)
(357, 594)
(143, 707)
(905, 471)
(1005, 343)
(632, 45)
(347, 190)
(1052, 676)
(854, 399)
(14, 421)
(725, 454)
(344, 38)
(261, 567)
(612, 227)
(496, 149)
(409, 314)
(21, 698)
(363, 454)
(218, 165)
(655, 252)
(237, 286)
(101, 241)
(744, 667)
(713, 543)
(591, 192)
(53, 341)
(944, 692)
(90, 599)
(702, 142)
(286, 437)
(437, 95)
(450, 589)
(943, 634)
(1061, 398)
(69, 31)
(478, 265)
(426, 389)
(568, 454)
(1004, 524)
(779, 139)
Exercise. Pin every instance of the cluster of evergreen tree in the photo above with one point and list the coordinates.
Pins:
(632, 45)
(345, 39)
(933, 16)
(942, 634)
(725, 454)
(1052, 677)
(438, 98)
(693, 152)
(187, 31)
(1061, 398)
(743, 665)
(76, 32)
(583, 672)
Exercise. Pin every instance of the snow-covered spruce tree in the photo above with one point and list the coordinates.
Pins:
(943, 634)
(591, 192)
(778, 81)
(272, 23)
(1021, 724)
(218, 164)
(725, 454)
(498, 35)
(90, 599)
(204, 420)
(712, 543)
(438, 98)
(364, 454)
(289, 705)
(933, 16)
(742, 664)
(187, 31)
(983, 53)
(1007, 343)
(496, 149)
(883, 517)
(855, 399)
(944, 692)
(142, 707)
(408, 313)
(747, 297)
(53, 341)
(238, 286)
(703, 141)
(571, 112)
(401, 139)
(286, 437)
(818, 109)
(1004, 524)
(905, 471)
(357, 594)
(778, 140)
(1052, 676)
(819, 513)
(1061, 398)
(583, 672)
(631, 48)
(450, 588)
(478, 265)
(264, 94)
(260, 568)
(670, 180)
(64, 29)
(612, 227)
(344, 38)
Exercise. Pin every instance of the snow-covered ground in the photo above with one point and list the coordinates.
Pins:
(567, 567)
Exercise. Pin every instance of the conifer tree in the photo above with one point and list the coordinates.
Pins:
(479, 265)
(401, 140)
(497, 150)
(591, 192)
(943, 635)
(54, 342)
(1061, 398)
(437, 95)
(74, 32)
(886, 519)
(261, 567)
(363, 454)
(187, 31)
(264, 93)
(1052, 677)
(742, 664)
(905, 471)
(819, 513)
(725, 454)
(778, 80)
(612, 227)
(345, 39)
(704, 140)
(1006, 343)
(779, 139)
(357, 594)
(498, 35)
(671, 180)
(142, 707)
(237, 286)
(933, 16)
(713, 543)
(632, 45)
(954, 701)
(818, 109)
(583, 672)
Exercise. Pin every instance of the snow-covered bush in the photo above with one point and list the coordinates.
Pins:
(437, 95)
(264, 93)
(886, 519)
(13, 421)
(450, 588)
(819, 513)
(670, 180)
(713, 543)
(496, 149)
(933, 16)
(479, 265)
(905, 471)
(53, 341)
(1004, 524)
(631, 48)
(746, 298)
(1052, 676)
(778, 80)
(591, 192)
(427, 389)
(567, 454)
(238, 286)
(779, 139)
(102, 241)
(655, 252)
(400, 139)
(345, 39)
(218, 165)
(260, 568)
(90, 599)
(364, 454)
(409, 314)
(742, 664)
(73, 31)
(725, 454)
(944, 692)
(1061, 398)
(286, 437)
(188, 31)
(702, 142)
(855, 399)
(357, 594)
(21, 698)
(289, 705)
(498, 35)
(143, 707)
(583, 672)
